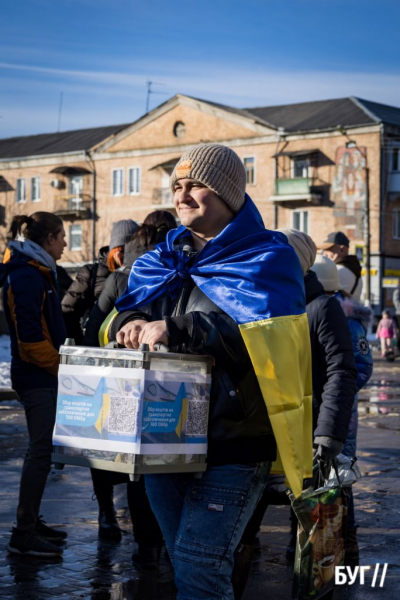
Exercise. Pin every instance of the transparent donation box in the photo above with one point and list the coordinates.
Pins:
(132, 411)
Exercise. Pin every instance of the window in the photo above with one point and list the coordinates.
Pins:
(395, 159)
(76, 185)
(118, 182)
(300, 220)
(35, 189)
(300, 167)
(179, 129)
(75, 237)
(396, 224)
(21, 190)
(134, 180)
(249, 165)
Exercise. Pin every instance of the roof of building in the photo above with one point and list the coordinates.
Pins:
(322, 114)
(55, 143)
(301, 117)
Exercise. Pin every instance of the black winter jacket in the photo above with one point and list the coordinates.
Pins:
(239, 427)
(83, 293)
(334, 370)
(114, 288)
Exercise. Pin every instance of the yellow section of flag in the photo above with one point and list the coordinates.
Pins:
(280, 351)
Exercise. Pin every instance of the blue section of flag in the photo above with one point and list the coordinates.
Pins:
(251, 273)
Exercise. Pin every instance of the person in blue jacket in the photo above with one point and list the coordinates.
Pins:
(33, 312)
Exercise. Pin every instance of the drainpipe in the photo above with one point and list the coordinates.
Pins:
(280, 135)
(90, 161)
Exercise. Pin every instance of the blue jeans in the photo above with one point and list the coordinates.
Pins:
(203, 520)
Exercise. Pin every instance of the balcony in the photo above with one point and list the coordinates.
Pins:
(297, 189)
(73, 207)
(163, 197)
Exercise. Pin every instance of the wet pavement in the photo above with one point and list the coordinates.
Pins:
(97, 570)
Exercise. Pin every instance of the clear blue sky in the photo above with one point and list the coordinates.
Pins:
(100, 53)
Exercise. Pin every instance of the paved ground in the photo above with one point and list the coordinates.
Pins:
(91, 569)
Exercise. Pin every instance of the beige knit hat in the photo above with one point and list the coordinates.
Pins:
(219, 168)
(327, 273)
(303, 245)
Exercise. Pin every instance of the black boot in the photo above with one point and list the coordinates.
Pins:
(104, 492)
(291, 548)
(108, 525)
(147, 558)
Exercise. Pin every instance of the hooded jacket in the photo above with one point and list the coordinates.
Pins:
(333, 365)
(33, 312)
(83, 293)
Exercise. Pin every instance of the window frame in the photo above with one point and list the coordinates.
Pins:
(39, 186)
(122, 170)
(254, 182)
(17, 199)
(306, 158)
(139, 180)
(301, 223)
(75, 249)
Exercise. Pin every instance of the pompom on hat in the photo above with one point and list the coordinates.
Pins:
(303, 245)
(217, 167)
(327, 273)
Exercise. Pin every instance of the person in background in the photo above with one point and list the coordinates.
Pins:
(386, 332)
(90, 280)
(152, 232)
(358, 319)
(33, 312)
(336, 247)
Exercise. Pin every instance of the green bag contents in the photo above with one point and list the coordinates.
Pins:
(322, 513)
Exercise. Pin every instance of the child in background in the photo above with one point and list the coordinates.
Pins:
(386, 332)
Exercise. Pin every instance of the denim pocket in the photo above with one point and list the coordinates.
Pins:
(215, 504)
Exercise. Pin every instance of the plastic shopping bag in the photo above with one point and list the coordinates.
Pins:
(322, 512)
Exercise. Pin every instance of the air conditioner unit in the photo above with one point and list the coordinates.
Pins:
(57, 183)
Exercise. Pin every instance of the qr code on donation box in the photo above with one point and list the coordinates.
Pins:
(122, 417)
(197, 419)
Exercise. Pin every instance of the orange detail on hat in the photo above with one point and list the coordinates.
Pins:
(184, 168)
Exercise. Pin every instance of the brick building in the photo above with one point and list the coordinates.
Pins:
(313, 166)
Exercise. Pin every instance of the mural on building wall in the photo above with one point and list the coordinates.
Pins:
(349, 190)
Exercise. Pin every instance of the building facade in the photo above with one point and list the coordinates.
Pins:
(316, 166)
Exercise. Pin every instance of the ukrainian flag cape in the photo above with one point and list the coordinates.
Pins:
(254, 276)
